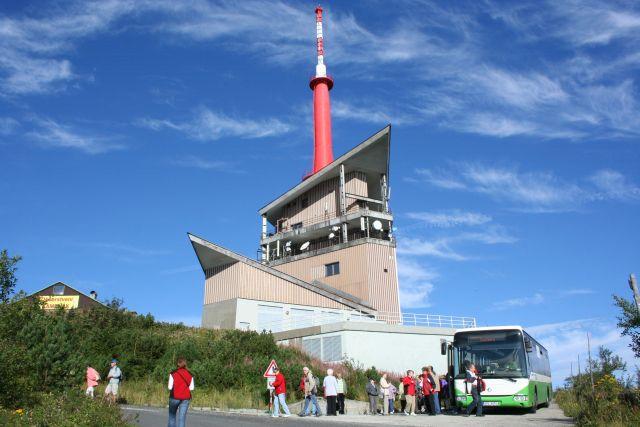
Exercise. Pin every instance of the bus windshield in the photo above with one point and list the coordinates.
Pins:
(496, 354)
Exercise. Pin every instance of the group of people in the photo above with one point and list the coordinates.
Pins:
(113, 381)
(417, 393)
(180, 386)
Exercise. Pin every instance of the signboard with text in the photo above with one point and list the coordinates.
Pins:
(51, 302)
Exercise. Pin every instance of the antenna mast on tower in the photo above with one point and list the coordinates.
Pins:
(321, 84)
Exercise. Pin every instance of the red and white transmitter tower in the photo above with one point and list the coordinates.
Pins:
(321, 84)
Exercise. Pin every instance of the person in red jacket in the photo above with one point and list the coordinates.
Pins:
(428, 387)
(280, 395)
(409, 383)
(180, 387)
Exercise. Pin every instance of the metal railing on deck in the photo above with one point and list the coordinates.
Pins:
(405, 319)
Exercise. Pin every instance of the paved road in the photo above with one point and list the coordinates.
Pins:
(155, 417)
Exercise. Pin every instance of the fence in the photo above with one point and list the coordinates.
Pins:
(405, 319)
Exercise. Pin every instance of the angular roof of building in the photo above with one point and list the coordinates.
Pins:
(68, 286)
(211, 255)
(371, 157)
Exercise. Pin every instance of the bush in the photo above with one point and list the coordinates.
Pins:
(65, 409)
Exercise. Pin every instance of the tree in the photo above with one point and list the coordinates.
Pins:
(7, 275)
(629, 321)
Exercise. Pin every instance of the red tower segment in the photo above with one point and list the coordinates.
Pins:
(321, 84)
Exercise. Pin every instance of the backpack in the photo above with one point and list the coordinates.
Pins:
(314, 389)
(482, 386)
(401, 389)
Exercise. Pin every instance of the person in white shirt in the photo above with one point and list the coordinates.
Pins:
(114, 376)
(330, 386)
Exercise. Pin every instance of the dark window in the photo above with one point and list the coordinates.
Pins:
(332, 269)
(58, 290)
(305, 203)
(386, 271)
(296, 226)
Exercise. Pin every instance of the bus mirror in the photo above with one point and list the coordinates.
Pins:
(527, 345)
(443, 348)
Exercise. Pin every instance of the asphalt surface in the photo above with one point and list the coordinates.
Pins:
(155, 417)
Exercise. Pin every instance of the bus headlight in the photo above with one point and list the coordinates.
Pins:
(521, 398)
(461, 398)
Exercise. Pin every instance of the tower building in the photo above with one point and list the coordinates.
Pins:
(326, 244)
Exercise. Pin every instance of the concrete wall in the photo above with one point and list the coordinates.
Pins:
(391, 348)
(219, 315)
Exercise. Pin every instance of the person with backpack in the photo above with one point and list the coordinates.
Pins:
(409, 388)
(436, 390)
(180, 387)
(472, 379)
(372, 392)
(310, 392)
(280, 394)
(342, 390)
(330, 387)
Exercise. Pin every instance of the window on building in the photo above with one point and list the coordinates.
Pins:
(332, 269)
(270, 318)
(296, 226)
(305, 203)
(332, 349)
(312, 346)
(58, 290)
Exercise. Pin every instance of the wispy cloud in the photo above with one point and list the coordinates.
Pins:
(180, 270)
(578, 291)
(212, 165)
(416, 283)
(207, 125)
(125, 250)
(8, 125)
(507, 304)
(530, 191)
(53, 134)
(449, 219)
(443, 246)
(567, 341)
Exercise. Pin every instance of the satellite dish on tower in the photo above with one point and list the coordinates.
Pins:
(332, 235)
(288, 244)
(305, 246)
(377, 225)
(335, 228)
(287, 248)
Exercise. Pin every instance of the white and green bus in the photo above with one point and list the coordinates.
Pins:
(514, 366)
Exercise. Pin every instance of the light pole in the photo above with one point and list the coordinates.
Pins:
(633, 284)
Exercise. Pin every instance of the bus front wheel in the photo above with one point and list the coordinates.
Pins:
(534, 406)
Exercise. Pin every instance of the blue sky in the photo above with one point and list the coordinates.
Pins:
(514, 172)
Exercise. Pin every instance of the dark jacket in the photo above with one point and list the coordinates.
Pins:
(372, 390)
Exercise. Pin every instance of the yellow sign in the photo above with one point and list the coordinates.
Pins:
(51, 302)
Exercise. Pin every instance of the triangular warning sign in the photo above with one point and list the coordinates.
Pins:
(269, 372)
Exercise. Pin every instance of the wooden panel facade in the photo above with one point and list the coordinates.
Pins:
(322, 202)
(240, 280)
(367, 271)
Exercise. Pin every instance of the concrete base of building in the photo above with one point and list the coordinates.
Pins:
(392, 348)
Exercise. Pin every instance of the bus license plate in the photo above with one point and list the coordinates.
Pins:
(490, 403)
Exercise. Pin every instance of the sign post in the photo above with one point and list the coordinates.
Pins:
(270, 375)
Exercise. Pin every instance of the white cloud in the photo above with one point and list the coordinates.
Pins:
(449, 219)
(530, 191)
(438, 248)
(567, 341)
(207, 125)
(507, 304)
(578, 291)
(56, 135)
(442, 247)
(613, 185)
(200, 163)
(416, 283)
(8, 125)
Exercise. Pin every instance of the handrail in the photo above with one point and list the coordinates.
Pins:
(404, 319)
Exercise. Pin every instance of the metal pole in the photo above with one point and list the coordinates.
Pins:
(590, 364)
(633, 284)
